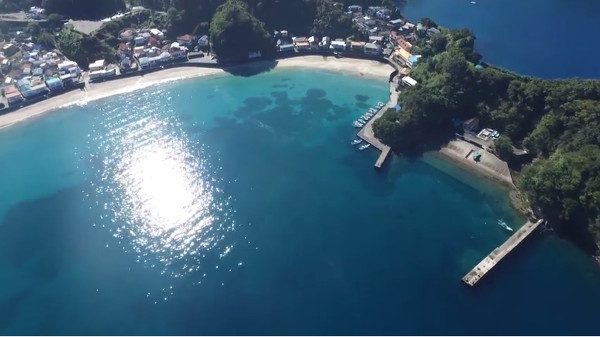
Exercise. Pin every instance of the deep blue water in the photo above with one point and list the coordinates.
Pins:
(234, 205)
(544, 38)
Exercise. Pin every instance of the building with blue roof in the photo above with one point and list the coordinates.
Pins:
(29, 89)
(412, 61)
(54, 84)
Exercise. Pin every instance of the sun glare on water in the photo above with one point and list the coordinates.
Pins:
(159, 191)
(162, 191)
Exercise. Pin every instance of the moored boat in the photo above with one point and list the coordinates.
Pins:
(364, 146)
(504, 225)
(356, 141)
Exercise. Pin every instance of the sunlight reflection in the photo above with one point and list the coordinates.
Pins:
(162, 191)
(159, 189)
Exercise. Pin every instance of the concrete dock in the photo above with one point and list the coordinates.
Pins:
(462, 152)
(497, 254)
(367, 134)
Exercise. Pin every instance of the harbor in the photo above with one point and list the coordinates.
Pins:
(368, 136)
(483, 267)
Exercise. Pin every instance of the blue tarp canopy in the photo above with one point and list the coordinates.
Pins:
(398, 107)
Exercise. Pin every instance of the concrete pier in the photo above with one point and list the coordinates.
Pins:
(367, 134)
(462, 152)
(497, 254)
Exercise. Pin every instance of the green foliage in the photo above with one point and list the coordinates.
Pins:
(46, 40)
(174, 19)
(84, 49)
(54, 19)
(566, 184)
(504, 148)
(556, 120)
(110, 30)
(439, 43)
(3, 27)
(84, 9)
(331, 20)
(34, 29)
(234, 31)
(427, 22)
(298, 16)
(14, 6)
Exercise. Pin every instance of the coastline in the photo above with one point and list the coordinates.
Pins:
(516, 198)
(95, 91)
(458, 162)
(455, 151)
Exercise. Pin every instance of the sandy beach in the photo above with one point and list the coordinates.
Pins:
(94, 91)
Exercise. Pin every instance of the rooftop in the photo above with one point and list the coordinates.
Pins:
(186, 37)
(97, 64)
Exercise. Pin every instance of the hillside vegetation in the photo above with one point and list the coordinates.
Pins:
(300, 16)
(558, 121)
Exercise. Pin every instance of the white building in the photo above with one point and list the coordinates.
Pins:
(372, 49)
(99, 74)
(338, 45)
(97, 65)
(157, 33)
(65, 65)
(407, 80)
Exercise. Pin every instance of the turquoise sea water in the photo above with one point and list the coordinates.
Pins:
(235, 205)
(544, 38)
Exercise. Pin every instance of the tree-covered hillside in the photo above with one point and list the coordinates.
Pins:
(234, 31)
(556, 120)
(300, 16)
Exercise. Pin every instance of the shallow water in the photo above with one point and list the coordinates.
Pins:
(233, 205)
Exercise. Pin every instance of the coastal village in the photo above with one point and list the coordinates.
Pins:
(450, 117)
(31, 72)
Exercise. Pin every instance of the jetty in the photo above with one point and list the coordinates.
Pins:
(500, 252)
(367, 134)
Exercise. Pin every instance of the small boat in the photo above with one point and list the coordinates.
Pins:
(357, 124)
(356, 141)
(373, 110)
(364, 146)
(379, 105)
(473, 2)
(503, 224)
